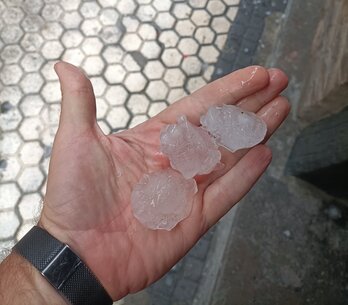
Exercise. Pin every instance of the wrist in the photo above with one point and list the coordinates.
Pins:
(80, 243)
(21, 283)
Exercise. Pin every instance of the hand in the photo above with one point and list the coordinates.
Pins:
(91, 176)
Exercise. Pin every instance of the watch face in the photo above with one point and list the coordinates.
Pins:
(63, 265)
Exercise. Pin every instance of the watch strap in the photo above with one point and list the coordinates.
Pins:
(62, 268)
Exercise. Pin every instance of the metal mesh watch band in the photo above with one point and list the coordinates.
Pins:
(62, 268)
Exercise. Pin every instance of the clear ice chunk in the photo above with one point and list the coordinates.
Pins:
(233, 127)
(191, 150)
(162, 199)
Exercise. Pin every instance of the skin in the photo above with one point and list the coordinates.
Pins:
(91, 176)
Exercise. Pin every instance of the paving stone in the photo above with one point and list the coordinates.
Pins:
(32, 6)
(30, 128)
(31, 153)
(113, 54)
(205, 35)
(116, 95)
(99, 86)
(130, 23)
(147, 31)
(24, 229)
(191, 65)
(52, 12)
(118, 117)
(93, 65)
(11, 94)
(157, 90)
(10, 170)
(30, 179)
(174, 77)
(195, 83)
(71, 20)
(9, 143)
(221, 24)
(32, 42)
(150, 49)
(208, 54)
(162, 5)
(9, 195)
(232, 13)
(11, 54)
(220, 41)
(32, 62)
(11, 34)
(164, 20)
(30, 206)
(74, 56)
(11, 119)
(130, 64)
(184, 27)
(70, 5)
(89, 9)
(31, 83)
(31, 105)
(201, 18)
(126, 7)
(169, 38)
(146, 13)
(198, 3)
(115, 73)
(182, 10)
(175, 94)
(131, 42)
(138, 103)
(188, 46)
(9, 223)
(138, 119)
(156, 108)
(11, 74)
(52, 50)
(107, 3)
(104, 127)
(52, 31)
(216, 7)
(12, 15)
(135, 82)
(231, 2)
(110, 34)
(102, 108)
(108, 16)
(154, 69)
(72, 38)
(171, 57)
(91, 27)
(32, 23)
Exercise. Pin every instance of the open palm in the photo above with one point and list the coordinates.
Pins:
(91, 177)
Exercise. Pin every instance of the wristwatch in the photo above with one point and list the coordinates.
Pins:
(63, 269)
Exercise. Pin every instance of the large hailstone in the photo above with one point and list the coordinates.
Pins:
(162, 199)
(190, 149)
(233, 127)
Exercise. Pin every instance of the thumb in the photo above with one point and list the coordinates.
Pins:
(78, 100)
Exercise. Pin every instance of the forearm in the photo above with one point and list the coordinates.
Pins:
(20, 283)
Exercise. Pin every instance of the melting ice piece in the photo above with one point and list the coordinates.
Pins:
(190, 149)
(162, 199)
(233, 127)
